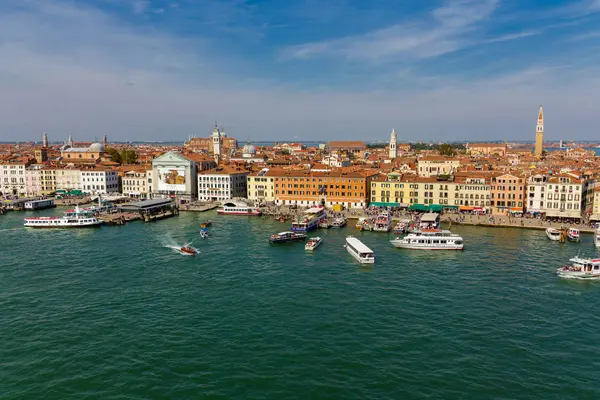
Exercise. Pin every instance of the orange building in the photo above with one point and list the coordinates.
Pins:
(508, 194)
(306, 188)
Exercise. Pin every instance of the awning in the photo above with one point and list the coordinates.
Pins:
(465, 208)
(435, 207)
(418, 207)
(450, 207)
(383, 204)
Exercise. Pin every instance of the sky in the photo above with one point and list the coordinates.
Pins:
(433, 70)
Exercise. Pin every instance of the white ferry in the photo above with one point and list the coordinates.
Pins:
(581, 268)
(359, 251)
(71, 219)
(39, 204)
(554, 234)
(310, 220)
(430, 239)
(239, 209)
(313, 243)
(597, 237)
(383, 222)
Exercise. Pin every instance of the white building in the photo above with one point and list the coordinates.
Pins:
(12, 178)
(222, 183)
(69, 178)
(33, 180)
(393, 145)
(174, 175)
(536, 193)
(99, 181)
(429, 166)
(565, 196)
(336, 160)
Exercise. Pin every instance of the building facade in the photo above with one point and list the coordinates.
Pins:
(565, 196)
(98, 181)
(175, 176)
(137, 183)
(12, 178)
(536, 193)
(222, 183)
(261, 187)
(436, 165)
(507, 194)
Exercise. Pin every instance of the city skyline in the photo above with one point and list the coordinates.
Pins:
(458, 70)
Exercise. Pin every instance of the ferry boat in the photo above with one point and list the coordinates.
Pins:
(359, 251)
(554, 234)
(310, 220)
(339, 222)
(284, 237)
(581, 268)
(573, 235)
(313, 243)
(239, 209)
(430, 239)
(597, 237)
(365, 224)
(39, 204)
(71, 219)
(383, 222)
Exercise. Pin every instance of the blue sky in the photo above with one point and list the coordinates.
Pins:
(299, 70)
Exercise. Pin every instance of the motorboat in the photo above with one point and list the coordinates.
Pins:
(365, 224)
(203, 233)
(597, 237)
(402, 227)
(581, 268)
(310, 220)
(383, 222)
(325, 224)
(430, 239)
(573, 235)
(339, 222)
(284, 237)
(185, 250)
(205, 224)
(554, 234)
(313, 243)
(359, 251)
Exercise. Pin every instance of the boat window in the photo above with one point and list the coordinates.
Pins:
(596, 267)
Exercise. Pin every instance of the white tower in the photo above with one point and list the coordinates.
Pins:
(393, 148)
(45, 140)
(217, 142)
(70, 141)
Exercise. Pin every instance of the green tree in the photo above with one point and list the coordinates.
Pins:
(128, 156)
(114, 154)
(447, 150)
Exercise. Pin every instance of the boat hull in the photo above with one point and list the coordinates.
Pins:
(277, 241)
(411, 246)
(577, 275)
(247, 213)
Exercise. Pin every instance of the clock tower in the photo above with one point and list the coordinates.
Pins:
(539, 134)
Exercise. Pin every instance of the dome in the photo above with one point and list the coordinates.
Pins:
(96, 147)
(249, 150)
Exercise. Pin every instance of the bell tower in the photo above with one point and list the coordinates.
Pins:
(393, 145)
(539, 134)
(217, 141)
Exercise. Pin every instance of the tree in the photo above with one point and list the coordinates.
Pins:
(114, 154)
(447, 150)
(125, 156)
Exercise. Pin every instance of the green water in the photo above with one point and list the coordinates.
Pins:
(110, 313)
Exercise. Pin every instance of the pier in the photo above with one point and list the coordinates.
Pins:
(151, 210)
(119, 218)
(199, 207)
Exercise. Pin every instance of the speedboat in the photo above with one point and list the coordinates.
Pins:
(203, 233)
(553, 234)
(284, 237)
(573, 235)
(313, 243)
(580, 268)
(430, 239)
(205, 224)
(185, 250)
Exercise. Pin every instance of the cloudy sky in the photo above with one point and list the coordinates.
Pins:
(299, 69)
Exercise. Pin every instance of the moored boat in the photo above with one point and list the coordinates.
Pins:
(597, 237)
(76, 218)
(581, 268)
(325, 224)
(284, 237)
(553, 234)
(339, 222)
(383, 222)
(573, 235)
(430, 239)
(239, 209)
(359, 251)
(313, 243)
(310, 220)
(402, 226)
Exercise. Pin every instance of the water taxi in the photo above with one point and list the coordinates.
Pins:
(313, 243)
(239, 209)
(554, 234)
(185, 250)
(284, 237)
(402, 226)
(430, 239)
(383, 222)
(76, 218)
(597, 237)
(359, 251)
(310, 220)
(573, 235)
(325, 224)
(581, 268)
(339, 222)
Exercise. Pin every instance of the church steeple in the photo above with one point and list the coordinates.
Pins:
(70, 141)
(393, 145)
(45, 140)
(539, 134)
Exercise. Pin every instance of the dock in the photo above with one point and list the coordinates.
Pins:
(119, 218)
(151, 210)
(199, 207)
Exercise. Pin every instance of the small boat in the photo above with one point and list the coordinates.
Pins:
(580, 268)
(597, 237)
(573, 235)
(359, 251)
(205, 224)
(383, 222)
(284, 237)
(325, 224)
(553, 234)
(185, 250)
(339, 222)
(313, 243)
(203, 233)
(430, 239)
(401, 227)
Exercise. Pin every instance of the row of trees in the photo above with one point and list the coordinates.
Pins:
(124, 156)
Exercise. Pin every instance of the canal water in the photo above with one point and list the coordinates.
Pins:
(111, 313)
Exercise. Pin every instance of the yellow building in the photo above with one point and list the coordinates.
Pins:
(260, 187)
(391, 191)
(411, 190)
(48, 180)
(472, 193)
(539, 134)
(596, 205)
(68, 179)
